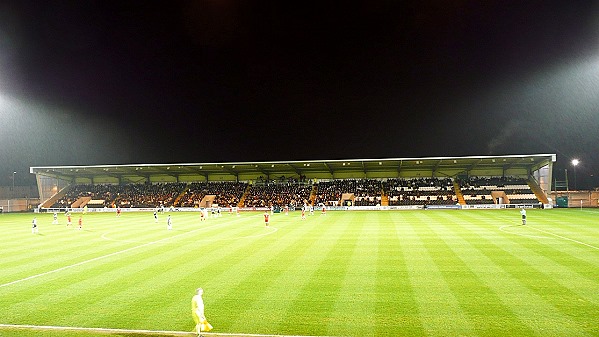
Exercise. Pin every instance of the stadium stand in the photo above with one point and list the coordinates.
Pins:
(227, 194)
(268, 194)
(420, 191)
(294, 193)
(366, 192)
(487, 190)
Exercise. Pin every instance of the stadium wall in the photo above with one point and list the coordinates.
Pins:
(578, 198)
(18, 205)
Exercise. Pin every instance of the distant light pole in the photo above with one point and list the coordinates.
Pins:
(12, 194)
(575, 162)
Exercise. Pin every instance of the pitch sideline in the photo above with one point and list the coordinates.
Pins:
(134, 331)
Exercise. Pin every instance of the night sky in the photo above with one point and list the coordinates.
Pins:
(122, 82)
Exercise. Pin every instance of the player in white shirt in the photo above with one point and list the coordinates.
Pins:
(523, 214)
(34, 229)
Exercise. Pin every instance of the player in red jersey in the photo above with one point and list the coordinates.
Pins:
(266, 218)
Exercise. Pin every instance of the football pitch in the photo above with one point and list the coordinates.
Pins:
(348, 273)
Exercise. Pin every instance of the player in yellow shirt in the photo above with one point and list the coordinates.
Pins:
(197, 311)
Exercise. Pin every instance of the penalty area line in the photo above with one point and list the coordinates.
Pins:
(135, 331)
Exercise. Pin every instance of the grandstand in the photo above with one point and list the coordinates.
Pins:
(475, 181)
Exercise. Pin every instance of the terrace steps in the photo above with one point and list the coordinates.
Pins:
(244, 195)
(312, 195)
(384, 198)
(81, 202)
(538, 191)
(458, 193)
(48, 203)
(181, 195)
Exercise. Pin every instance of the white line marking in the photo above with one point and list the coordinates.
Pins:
(526, 235)
(563, 237)
(132, 331)
(98, 258)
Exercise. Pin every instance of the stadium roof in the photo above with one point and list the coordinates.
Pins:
(305, 167)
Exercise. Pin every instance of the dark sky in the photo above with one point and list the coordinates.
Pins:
(119, 82)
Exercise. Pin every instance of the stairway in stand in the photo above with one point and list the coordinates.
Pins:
(458, 193)
(312, 195)
(177, 201)
(384, 198)
(538, 191)
(48, 203)
(244, 195)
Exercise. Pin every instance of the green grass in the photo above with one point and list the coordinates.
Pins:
(403, 273)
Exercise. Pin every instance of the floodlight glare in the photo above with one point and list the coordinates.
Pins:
(575, 162)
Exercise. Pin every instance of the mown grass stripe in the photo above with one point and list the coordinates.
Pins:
(356, 297)
(243, 295)
(482, 304)
(429, 287)
(396, 307)
(563, 268)
(519, 286)
(280, 289)
(569, 248)
(325, 264)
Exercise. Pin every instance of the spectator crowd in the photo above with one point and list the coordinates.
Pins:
(297, 192)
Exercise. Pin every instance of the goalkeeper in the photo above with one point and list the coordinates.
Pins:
(197, 311)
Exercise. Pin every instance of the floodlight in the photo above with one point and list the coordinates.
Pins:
(574, 163)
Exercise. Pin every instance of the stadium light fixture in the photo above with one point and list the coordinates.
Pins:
(575, 163)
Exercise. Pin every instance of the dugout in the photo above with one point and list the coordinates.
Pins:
(51, 180)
